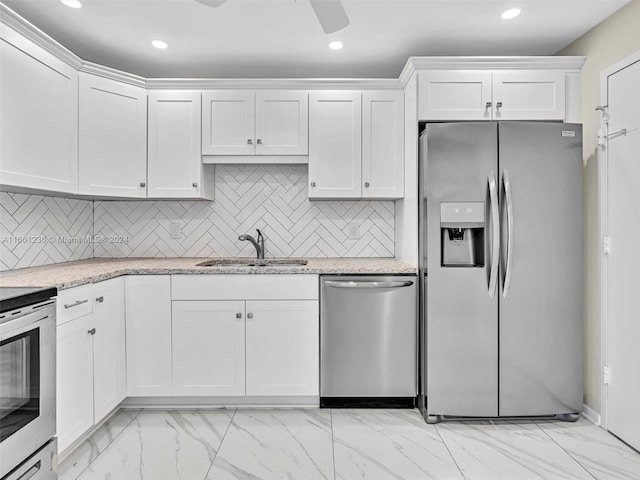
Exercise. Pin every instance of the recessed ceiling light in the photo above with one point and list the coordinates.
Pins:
(159, 44)
(72, 3)
(510, 13)
(336, 45)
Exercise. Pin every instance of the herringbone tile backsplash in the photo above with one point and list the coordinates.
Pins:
(37, 230)
(272, 198)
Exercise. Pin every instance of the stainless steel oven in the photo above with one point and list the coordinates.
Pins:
(27, 377)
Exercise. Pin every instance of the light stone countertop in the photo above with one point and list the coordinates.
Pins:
(81, 272)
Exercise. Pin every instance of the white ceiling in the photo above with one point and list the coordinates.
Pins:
(282, 38)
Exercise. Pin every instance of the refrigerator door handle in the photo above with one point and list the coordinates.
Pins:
(495, 248)
(509, 204)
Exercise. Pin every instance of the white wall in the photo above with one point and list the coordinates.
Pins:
(608, 42)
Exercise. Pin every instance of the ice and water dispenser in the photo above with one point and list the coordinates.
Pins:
(462, 234)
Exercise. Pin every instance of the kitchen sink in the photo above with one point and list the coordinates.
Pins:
(253, 262)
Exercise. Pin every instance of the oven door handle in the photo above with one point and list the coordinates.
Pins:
(32, 472)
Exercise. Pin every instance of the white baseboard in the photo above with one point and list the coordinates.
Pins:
(591, 415)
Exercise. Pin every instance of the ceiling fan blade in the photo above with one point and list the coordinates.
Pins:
(331, 15)
(211, 3)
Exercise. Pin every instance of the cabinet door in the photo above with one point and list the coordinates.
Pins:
(39, 117)
(109, 356)
(383, 144)
(529, 95)
(282, 347)
(112, 138)
(74, 380)
(175, 161)
(335, 145)
(208, 348)
(454, 95)
(228, 122)
(282, 122)
(148, 323)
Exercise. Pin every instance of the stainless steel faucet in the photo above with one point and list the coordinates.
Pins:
(259, 243)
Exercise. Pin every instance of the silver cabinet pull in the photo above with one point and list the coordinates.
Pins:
(31, 472)
(100, 299)
(498, 105)
(313, 184)
(487, 105)
(143, 184)
(75, 304)
(366, 184)
(249, 315)
(92, 331)
(249, 141)
(509, 201)
(238, 315)
(396, 284)
(259, 142)
(495, 249)
(194, 184)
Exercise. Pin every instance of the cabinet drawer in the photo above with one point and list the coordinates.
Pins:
(244, 287)
(74, 303)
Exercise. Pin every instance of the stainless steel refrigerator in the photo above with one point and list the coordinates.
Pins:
(501, 269)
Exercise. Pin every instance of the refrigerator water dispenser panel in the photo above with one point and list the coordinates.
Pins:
(462, 234)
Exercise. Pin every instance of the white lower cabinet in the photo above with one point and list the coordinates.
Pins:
(148, 314)
(90, 371)
(282, 347)
(208, 348)
(74, 380)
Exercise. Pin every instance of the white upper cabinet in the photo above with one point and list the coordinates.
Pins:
(335, 144)
(228, 122)
(383, 144)
(112, 138)
(454, 95)
(39, 117)
(174, 159)
(529, 95)
(282, 122)
(248, 122)
(525, 94)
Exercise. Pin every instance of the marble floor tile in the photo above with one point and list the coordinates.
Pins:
(276, 445)
(163, 445)
(509, 451)
(89, 450)
(389, 444)
(606, 457)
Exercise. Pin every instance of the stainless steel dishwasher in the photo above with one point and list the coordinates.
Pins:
(368, 346)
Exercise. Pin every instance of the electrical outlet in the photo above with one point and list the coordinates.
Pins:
(176, 230)
(353, 231)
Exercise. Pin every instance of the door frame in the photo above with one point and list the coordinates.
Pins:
(603, 201)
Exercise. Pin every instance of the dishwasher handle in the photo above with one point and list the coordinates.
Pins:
(351, 284)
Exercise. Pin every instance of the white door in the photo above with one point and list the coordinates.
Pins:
(383, 144)
(282, 347)
(74, 380)
(228, 122)
(112, 136)
(623, 261)
(454, 95)
(282, 122)
(148, 324)
(208, 347)
(528, 95)
(175, 129)
(39, 117)
(335, 145)
(109, 356)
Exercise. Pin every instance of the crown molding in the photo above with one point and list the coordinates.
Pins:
(273, 83)
(496, 63)
(28, 30)
(113, 74)
(407, 72)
